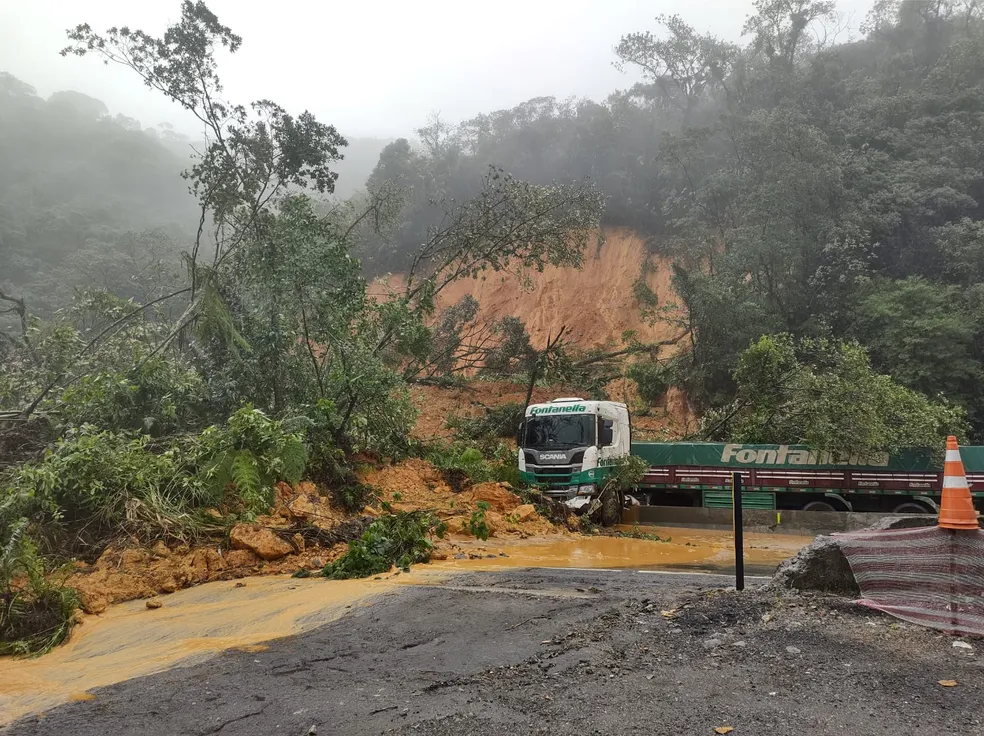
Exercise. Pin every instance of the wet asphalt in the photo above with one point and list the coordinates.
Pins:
(561, 652)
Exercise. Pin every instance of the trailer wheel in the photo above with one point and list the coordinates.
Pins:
(818, 506)
(911, 507)
(611, 507)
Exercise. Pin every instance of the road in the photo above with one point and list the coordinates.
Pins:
(562, 652)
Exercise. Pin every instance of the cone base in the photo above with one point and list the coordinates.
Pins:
(959, 524)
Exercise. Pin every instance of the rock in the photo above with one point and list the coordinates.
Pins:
(169, 585)
(96, 604)
(792, 650)
(525, 512)
(298, 541)
(240, 585)
(819, 566)
(962, 645)
(903, 522)
(282, 493)
(461, 556)
(712, 643)
(154, 603)
(160, 549)
(739, 644)
(132, 558)
(262, 542)
(496, 495)
(439, 555)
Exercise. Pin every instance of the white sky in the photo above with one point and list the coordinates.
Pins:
(370, 67)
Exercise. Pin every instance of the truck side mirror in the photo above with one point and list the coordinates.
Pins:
(519, 434)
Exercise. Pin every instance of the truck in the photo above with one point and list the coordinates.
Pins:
(567, 448)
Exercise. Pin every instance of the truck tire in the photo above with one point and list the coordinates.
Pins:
(819, 506)
(611, 507)
(912, 507)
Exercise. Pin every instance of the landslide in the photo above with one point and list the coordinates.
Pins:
(597, 303)
(304, 531)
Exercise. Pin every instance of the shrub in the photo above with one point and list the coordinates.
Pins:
(94, 485)
(251, 453)
(36, 614)
(652, 378)
(497, 422)
(399, 539)
(477, 525)
(461, 464)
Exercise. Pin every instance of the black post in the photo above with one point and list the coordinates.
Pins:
(739, 536)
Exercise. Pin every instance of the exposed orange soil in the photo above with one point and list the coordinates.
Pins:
(595, 303)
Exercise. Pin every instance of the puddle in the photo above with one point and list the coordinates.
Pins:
(129, 640)
(688, 549)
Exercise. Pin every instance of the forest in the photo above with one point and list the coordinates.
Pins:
(183, 326)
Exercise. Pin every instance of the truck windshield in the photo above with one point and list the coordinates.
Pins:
(560, 432)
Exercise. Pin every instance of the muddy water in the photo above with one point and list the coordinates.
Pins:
(130, 640)
(681, 549)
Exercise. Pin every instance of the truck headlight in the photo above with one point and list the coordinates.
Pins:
(585, 490)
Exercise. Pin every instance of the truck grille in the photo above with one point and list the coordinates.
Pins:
(559, 475)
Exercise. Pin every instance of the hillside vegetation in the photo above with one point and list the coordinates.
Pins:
(800, 185)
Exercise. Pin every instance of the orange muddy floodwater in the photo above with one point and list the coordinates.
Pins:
(685, 549)
(130, 640)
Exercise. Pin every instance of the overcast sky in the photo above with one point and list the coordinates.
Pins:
(370, 67)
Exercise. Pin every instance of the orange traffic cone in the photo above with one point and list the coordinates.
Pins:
(957, 507)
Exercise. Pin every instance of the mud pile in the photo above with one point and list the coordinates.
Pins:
(303, 531)
(416, 484)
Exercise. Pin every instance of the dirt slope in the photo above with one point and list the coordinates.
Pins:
(595, 303)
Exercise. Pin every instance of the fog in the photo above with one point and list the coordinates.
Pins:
(376, 68)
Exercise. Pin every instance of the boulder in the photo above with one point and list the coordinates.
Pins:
(525, 512)
(821, 565)
(262, 542)
(496, 495)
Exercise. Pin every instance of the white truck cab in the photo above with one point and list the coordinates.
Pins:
(564, 446)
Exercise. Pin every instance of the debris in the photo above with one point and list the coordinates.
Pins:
(792, 650)
(260, 541)
(154, 603)
(712, 643)
(821, 566)
(948, 683)
(724, 729)
(240, 584)
(962, 645)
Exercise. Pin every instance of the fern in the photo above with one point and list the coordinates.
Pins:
(293, 458)
(244, 473)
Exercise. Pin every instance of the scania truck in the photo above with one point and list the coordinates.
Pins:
(566, 444)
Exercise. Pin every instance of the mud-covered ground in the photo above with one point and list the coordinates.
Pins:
(564, 652)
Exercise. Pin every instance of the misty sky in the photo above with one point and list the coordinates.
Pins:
(370, 67)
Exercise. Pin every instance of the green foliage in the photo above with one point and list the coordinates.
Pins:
(36, 612)
(400, 539)
(497, 422)
(94, 485)
(828, 396)
(626, 472)
(354, 496)
(652, 379)
(477, 525)
(463, 464)
(251, 453)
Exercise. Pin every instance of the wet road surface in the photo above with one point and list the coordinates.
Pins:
(557, 652)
